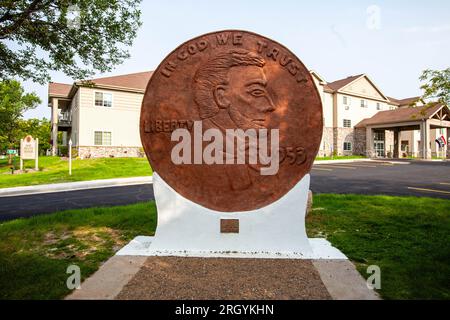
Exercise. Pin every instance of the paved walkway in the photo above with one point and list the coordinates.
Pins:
(174, 278)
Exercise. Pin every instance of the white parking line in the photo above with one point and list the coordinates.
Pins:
(429, 190)
(362, 166)
(445, 183)
(338, 167)
(322, 169)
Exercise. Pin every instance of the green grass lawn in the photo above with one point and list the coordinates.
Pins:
(56, 170)
(407, 237)
(35, 252)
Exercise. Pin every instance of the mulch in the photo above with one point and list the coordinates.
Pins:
(177, 278)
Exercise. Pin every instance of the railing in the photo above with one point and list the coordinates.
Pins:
(65, 119)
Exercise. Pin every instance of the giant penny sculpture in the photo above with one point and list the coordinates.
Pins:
(240, 83)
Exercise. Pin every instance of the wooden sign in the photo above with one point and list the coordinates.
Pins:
(29, 150)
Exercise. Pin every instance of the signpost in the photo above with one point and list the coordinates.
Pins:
(70, 157)
(11, 153)
(29, 151)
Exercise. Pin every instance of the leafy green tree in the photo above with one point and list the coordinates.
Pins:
(436, 86)
(38, 128)
(78, 37)
(13, 103)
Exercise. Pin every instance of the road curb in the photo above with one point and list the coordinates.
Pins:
(73, 186)
(359, 160)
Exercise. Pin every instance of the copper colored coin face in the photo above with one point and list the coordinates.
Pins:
(215, 98)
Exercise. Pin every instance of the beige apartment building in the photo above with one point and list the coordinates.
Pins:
(102, 118)
(359, 119)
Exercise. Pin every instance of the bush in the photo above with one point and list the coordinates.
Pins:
(64, 151)
(74, 152)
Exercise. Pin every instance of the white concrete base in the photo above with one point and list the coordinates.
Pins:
(183, 225)
(188, 229)
(320, 249)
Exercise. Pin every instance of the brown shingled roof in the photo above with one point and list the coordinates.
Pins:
(338, 84)
(133, 80)
(404, 102)
(137, 81)
(401, 115)
(59, 89)
(326, 88)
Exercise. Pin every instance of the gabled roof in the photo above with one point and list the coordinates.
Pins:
(318, 77)
(127, 82)
(339, 84)
(342, 83)
(404, 102)
(137, 80)
(402, 115)
(326, 88)
(61, 90)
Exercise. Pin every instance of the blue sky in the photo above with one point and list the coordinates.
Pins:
(335, 38)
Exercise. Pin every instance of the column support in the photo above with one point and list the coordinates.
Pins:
(54, 126)
(369, 142)
(425, 140)
(397, 146)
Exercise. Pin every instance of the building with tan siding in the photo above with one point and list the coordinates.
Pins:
(101, 116)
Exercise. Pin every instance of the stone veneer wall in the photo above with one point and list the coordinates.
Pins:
(359, 145)
(109, 151)
(327, 139)
(343, 135)
(389, 143)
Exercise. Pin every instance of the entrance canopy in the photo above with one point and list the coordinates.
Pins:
(430, 116)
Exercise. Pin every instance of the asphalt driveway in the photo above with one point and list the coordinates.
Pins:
(408, 178)
(402, 178)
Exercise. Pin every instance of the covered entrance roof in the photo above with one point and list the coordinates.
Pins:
(410, 118)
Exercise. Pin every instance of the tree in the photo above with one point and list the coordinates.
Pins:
(13, 103)
(78, 36)
(38, 128)
(436, 86)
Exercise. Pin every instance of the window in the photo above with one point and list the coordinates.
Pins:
(347, 123)
(379, 136)
(378, 106)
(404, 146)
(347, 146)
(103, 99)
(363, 103)
(345, 100)
(391, 107)
(102, 138)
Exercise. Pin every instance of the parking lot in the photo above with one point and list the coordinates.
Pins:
(415, 178)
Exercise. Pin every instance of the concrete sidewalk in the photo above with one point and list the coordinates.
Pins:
(72, 186)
